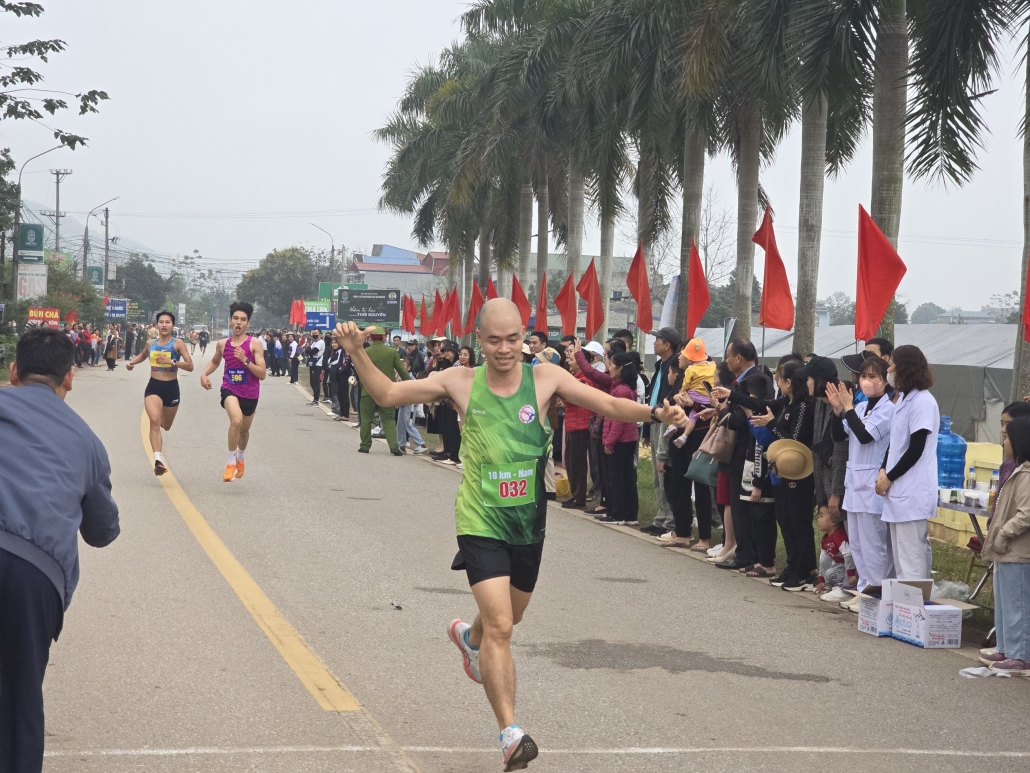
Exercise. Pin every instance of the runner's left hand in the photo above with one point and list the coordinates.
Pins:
(205, 381)
(351, 336)
(672, 414)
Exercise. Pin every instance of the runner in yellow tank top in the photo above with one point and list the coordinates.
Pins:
(501, 505)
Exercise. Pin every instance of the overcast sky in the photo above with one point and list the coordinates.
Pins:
(266, 109)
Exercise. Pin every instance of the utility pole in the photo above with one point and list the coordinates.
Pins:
(57, 214)
(107, 247)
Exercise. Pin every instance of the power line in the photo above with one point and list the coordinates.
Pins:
(249, 215)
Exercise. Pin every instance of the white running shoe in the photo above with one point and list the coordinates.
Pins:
(517, 748)
(714, 551)
(420, 450)
(835, 594)
(458, 631)
(669, 536)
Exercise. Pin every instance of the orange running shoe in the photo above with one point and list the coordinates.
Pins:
(230, 471)
(239, 469)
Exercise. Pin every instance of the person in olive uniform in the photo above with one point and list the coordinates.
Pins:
(387, 360)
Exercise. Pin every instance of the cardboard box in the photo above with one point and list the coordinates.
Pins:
(876, 606)
(925, 623)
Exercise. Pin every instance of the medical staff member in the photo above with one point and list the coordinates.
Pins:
(908, 474)
(867, 427)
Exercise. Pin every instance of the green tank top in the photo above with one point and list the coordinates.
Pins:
(504, 449)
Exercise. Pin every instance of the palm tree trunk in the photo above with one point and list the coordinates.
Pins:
(453, 268)
(1021, 361)
(469, 266)
(543, 209)
(485, 258)
(748, 165)
(890, 92)
(645, 214)
(693, 188)
(604, 278)
(503, 283)
(525, 232)
(810, 219)
(574, 240)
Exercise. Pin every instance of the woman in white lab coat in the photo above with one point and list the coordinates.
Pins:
(908, 475)
(866, 426)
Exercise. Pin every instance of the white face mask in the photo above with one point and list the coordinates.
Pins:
(890, 378)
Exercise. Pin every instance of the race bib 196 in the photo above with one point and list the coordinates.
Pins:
(237, 375)
(507, 485)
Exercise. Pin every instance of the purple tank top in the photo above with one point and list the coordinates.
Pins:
(237, 378)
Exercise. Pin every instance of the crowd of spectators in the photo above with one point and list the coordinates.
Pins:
(767, 456)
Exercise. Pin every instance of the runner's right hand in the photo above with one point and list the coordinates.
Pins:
(205, 381)
(130, 365)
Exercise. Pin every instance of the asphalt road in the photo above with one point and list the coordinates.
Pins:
(631, 657)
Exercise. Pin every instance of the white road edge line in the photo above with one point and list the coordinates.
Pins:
(632, 750)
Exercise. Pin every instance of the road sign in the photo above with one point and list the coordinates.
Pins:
(319, 320)
(137, 312)
(30, 243)
(117, 308)
(31, 280)
(370, 307)
(95, 275)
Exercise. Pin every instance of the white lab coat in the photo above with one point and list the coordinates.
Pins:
(864, 460)
(913, 496)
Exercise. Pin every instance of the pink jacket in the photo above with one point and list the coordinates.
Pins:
(620, 431)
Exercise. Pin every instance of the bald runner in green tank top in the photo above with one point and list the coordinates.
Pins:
(504, 449)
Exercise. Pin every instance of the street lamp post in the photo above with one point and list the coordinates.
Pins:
(332, 252)
(85, 240)
(17, 219)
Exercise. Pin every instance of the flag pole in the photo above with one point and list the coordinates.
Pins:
(763, 343)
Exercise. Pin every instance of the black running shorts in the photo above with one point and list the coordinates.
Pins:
(168, 391)
(483, 558)
(247, 405)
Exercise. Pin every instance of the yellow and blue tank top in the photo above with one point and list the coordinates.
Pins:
(168, 348)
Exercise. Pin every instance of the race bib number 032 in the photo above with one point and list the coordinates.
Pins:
(508, 485)
(237, 375)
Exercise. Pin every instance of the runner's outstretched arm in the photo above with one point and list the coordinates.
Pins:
(568, 388)
(386, 392)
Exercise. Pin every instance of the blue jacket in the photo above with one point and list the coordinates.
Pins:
(55, 482)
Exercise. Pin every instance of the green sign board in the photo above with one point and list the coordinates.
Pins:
(327, 291)
(30, 243)
(95, 275)
(317, 305)
(369, 307)
(137, 312)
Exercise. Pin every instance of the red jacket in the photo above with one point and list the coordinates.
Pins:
(577, 418)
(620, 431)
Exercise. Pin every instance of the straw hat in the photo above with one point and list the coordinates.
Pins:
(793, 460)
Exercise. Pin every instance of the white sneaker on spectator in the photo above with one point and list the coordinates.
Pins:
(835, 594)
(852, 604)
(355, 424)
(460, 466)
(420, 450)
(669, 536)
(447, 461)
(714, 551)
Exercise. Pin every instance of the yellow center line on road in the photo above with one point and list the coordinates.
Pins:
(309, 668)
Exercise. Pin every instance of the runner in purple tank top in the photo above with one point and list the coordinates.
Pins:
(241, 383)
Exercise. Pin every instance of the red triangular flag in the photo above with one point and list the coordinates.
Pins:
(540, 324)
(640, 289)
(424, 325)
(777, 308)
(698, 299)
(880, 270)
(408, 314)
(590, 291)
(568, 307)
(491, 291)
(1026, 311)
(457, 329)
(434, 319)
(518, 297)
(475, 304)
(447, 313)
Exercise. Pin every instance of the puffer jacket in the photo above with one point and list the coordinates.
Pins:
(577, 418)
(1008, 537)
(620, 431)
